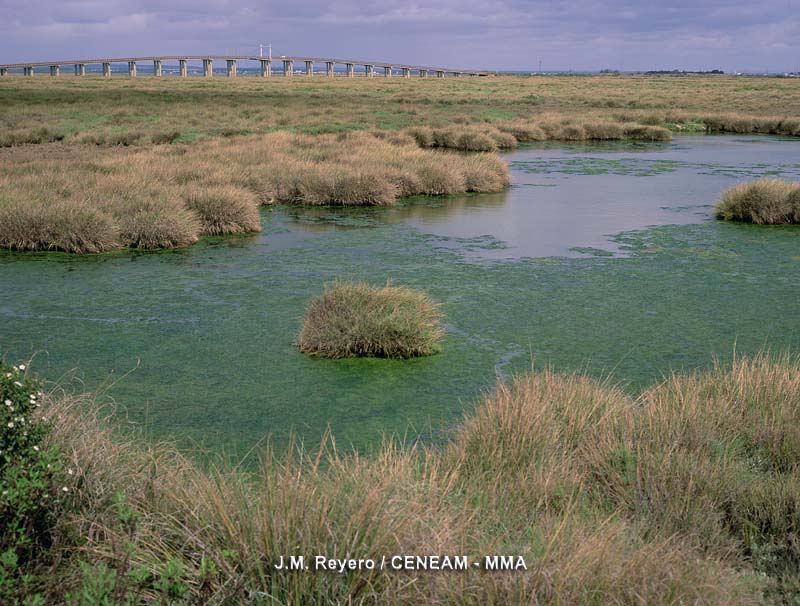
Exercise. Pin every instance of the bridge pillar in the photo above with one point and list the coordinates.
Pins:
(370, 70)
(182, 67)
(288, 68)
(231, 68)
(3, 71)
(157, 70)
(406, 72)
(106, 70)
(351, 70)
(55, 70)
(309, 68)
(132, 69)
(440, 74)
(80, 69)
(266, 68)
(208, 68)
(329, 69)
(28, 71)
(387, 72)
(423, 73)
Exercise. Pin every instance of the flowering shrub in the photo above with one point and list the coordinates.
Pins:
(30, 491)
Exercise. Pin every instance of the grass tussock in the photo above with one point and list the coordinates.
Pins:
(766, 201)
(686, 494)
(358, 319)
(225, 209)
(507, 135)
(32, 136)
(66, 225)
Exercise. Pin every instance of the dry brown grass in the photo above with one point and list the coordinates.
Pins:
(168, 196)
(766, 201)
(686, 494)
(67, 225)
(358, 319)
(224, 209)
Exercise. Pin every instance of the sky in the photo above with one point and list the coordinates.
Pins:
(733, 35)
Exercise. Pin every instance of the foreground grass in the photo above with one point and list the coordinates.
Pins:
(766, 201)
(687, 494)
(357, 319)
(84, 199)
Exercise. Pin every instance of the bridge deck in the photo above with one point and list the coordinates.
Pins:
(239, 58)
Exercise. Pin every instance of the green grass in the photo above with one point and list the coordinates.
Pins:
(80, 106)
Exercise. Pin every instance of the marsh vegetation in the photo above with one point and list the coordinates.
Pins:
(684, 491)
(146, 110)
(92, 200)
(766, 201)
(357, 319)
(684, 494)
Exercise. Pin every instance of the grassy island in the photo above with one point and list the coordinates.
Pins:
(766, 201)
(358, 319)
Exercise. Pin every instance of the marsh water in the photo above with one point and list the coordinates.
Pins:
(603, 259)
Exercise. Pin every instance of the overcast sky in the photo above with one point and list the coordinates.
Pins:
(734, 35)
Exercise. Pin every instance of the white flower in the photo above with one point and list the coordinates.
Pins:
(8, 402)
(65, 489)
(22, 367)
(32, 397)
(10, 425)
(17, 383)
(69, 471)
(36, 448)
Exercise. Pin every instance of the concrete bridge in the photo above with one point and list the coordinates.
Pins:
(231, 61)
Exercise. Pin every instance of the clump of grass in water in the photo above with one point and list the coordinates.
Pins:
(766, 201)
(358, 319)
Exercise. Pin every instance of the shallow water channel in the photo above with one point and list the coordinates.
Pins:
(600, 258)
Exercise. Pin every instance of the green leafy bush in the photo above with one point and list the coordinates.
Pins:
(31, 486)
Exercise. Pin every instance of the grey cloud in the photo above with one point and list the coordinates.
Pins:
(500, 34)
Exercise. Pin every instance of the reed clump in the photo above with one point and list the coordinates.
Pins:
(507, 135)
(224, 209)
(686, 493)
(765, 202)
(355, 319)
(69, 225)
